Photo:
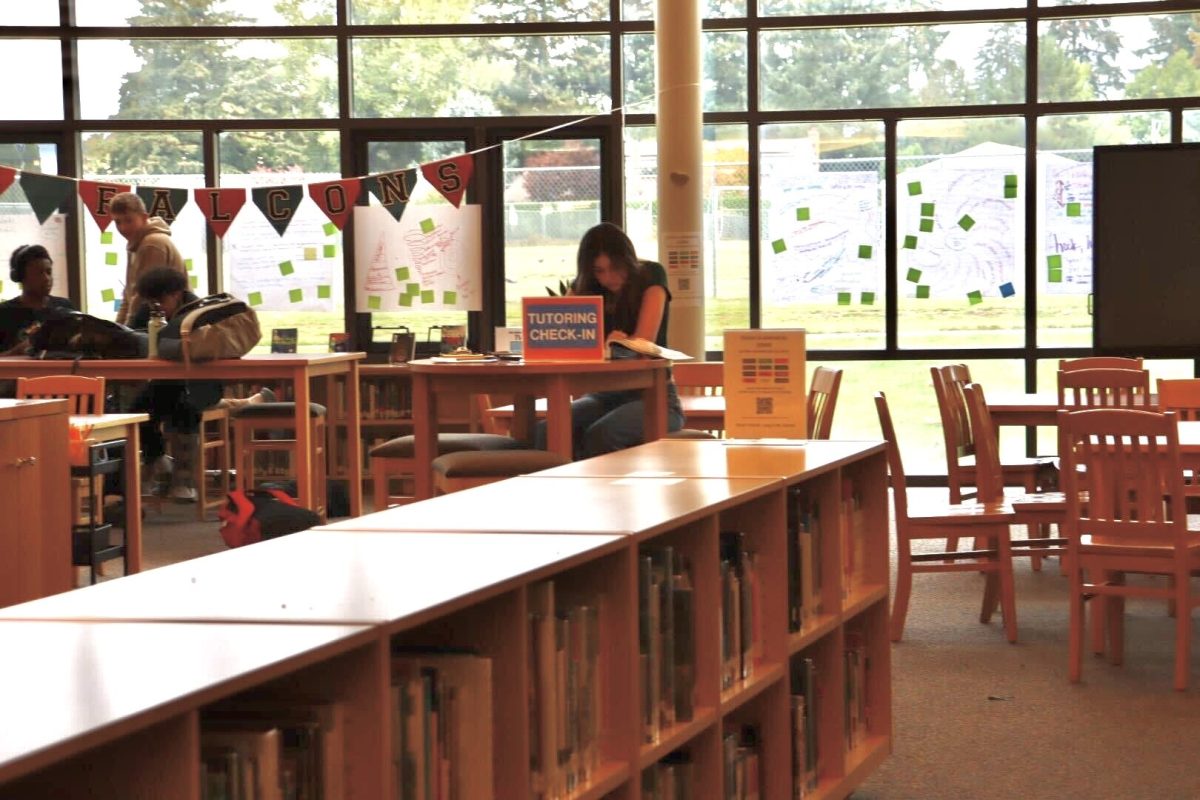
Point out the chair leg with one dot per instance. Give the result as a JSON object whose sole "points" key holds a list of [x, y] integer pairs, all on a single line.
{"points": [[1099, 612], [1077, 619], [900, 600], [379, 483], [991, 594], [1183, 632], [1114, 611], [1008, 594]]}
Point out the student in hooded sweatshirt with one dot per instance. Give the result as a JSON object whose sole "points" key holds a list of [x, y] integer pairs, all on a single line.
{"points": [[148, 242]]}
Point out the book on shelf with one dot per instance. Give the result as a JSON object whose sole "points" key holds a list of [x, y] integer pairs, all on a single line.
{"points": [[685, 643], [741, 609], [220, 773], [671, 778], [258, 747], [283, 340], [852, 536], [645, 347], [742, 763], [856, 664], [804, 560], [804, 700], [666, 640]]}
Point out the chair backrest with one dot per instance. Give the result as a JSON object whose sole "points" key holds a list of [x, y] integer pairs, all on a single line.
{"points": [[86, 395], [1122, 476], [1100, 362], [822, 400], [1105, 388], [1181, 395], [948, 384], [699, 377], [989, 477], [489, 421], [895, 465]]}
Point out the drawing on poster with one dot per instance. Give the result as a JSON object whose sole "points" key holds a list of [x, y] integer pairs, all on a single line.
{"points": [[1068, 237], [430, 259]]}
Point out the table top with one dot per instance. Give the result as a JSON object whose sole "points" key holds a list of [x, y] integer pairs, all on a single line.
{"points": [[267, 365], [325, 577], [429, 366], [52, 681], [20, 409], [618, 506], [99, 422]]}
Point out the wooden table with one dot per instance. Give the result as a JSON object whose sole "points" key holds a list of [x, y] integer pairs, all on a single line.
{"points": [[557, 381], [297, 368], [107, 428], [704, 412], [1030, 409]]}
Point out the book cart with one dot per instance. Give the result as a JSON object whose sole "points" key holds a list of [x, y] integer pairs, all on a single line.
{"points": [[335, 617]]}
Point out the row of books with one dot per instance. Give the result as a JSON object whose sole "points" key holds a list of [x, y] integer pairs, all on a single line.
{"points": [[564, 693], [804, 559], [742, 763], [273, 751], [666, 643], [385, 399], [741, 609], [853, 536], [672, 778], [855, 657], [804, 728]]}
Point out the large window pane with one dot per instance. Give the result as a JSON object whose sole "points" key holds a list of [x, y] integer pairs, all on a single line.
{"points": [[1064, 232], [1116, 57], [960, 233], [482, 76], [294, 280], [112, 13], [413, 12], [37, 92], [168, 160], [712, 9], [1191, 125], [882, 67], [208, 79], [822, 232], [32, 12], [724, 79], [19, 225]]}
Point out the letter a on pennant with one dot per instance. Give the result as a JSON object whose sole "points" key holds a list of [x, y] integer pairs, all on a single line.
{"points": [[98, 197], [220, 206], [336, 198], [451, 176]]}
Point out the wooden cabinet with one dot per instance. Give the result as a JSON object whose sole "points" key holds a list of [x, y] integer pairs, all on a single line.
{"points": [[356, 594], [35, 523]]}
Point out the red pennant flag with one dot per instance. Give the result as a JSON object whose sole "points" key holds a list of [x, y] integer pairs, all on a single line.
{"points": [[7, 176], [451, 176], [336, 198], [97, 195], [220, 206]]}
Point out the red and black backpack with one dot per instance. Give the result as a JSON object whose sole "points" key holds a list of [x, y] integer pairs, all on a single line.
{"points": [[251, 516]]}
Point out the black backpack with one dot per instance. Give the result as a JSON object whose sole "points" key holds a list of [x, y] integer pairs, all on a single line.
{"points": [[73, 334]]}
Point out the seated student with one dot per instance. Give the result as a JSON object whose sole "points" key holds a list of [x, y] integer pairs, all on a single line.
{"points": [[31, 266], [175, 406]]}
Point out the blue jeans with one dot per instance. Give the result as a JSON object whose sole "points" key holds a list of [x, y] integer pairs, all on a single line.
{"points": [[602, 422]]}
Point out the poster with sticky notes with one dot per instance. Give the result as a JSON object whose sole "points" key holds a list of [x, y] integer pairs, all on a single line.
{"points": [[431, 258]]}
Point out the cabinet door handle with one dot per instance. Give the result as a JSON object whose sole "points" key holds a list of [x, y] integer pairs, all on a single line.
{"points": [[25, 461]]}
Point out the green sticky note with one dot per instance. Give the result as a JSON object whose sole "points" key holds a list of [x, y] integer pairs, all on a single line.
{"points": [[868, 298], [254, 298], [401, 273], [286, 268], [330, 251], [975, 297], [449, 298], [910, 242], [914, 275], [427, 226], [406, 299], [329, 228], [1055, 276], [926, 209], [110, 259], [374, 302], [927, 225], [295, 295], [922, 292], [108, 295], [1010, 180], [1054, 261], [187, 264], [193, 281], [106, 237], [1074, 209], [864, 251], [914, 188], [778, 246], [1010, 192], [412, 289], [966, 223], [843, 298], [324, 291], [427, 296], [801, 214], [310, 254]]}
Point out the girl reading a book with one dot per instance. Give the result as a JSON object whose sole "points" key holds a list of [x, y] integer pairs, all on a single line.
{"points": [[636, 305]]}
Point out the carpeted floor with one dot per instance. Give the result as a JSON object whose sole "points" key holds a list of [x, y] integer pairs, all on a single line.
{"points": [[976, 718]]}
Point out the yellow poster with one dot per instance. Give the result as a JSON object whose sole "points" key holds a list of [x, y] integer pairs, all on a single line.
{"points": [[764, 384]]}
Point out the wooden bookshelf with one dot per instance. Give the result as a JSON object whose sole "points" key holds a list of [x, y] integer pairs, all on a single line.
{"points": [[354, 598]]}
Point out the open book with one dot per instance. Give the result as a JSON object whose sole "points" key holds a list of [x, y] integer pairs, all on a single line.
{"points": [[648, 348]]}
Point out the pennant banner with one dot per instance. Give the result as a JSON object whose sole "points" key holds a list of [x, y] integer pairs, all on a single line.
{"points": [[46, 193], [163, 202], [7, 176], [336, 198], [220, 206], [97, 196], [393, 189], [450, 177], [278, 204]]}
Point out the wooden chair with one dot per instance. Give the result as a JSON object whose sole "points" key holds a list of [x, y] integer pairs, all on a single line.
{"points": [[1100, 362], [85, 395], [212, 461], [1103, 388], [1181, 395], [1126, 513], [822, 400], [961, 443], [269, 428], [699, 379], [460, 470], [987, 521]]}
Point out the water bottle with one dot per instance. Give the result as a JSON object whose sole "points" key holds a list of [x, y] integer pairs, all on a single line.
{"points": [[157, 322]]}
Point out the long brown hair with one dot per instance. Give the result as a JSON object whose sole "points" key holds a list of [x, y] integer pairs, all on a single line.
{"points": [[608, 239]]}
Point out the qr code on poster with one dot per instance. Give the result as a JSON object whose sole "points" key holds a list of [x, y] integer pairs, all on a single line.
{"points": [[685, 284], [764, 405]]}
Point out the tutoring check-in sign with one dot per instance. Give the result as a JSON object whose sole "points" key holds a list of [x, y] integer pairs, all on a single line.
{"points": [[563, 328]]}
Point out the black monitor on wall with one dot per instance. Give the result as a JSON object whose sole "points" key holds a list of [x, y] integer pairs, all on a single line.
{"points": [[1146, 246]]}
